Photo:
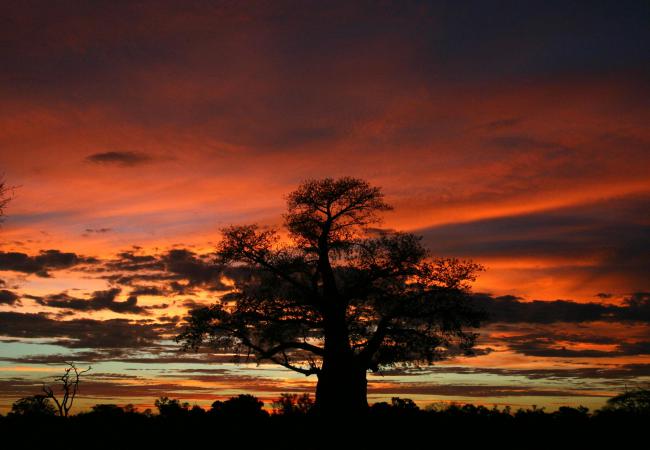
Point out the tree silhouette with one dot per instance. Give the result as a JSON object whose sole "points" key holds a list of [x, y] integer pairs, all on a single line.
{"points": [[33, 406], [244, 406], [635, 401], [335, 298], [173, 408], [4, 196], [293, 404], [69, 388]]}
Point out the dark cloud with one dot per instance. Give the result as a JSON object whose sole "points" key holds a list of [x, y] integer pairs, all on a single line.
{"points": [[585, 230], [147, 290], [191, 304], [8, 297], [130, 261], [84, 333], [566, 329], [547, 346], [94, 231], [635, 348], [98, 300], [177, 271], [203, 371], [624, 372], [198, 271], [98, 230], [170, 319], [510, 309], [471, 390], [111, 376], [519, 142], [80, 356], [157, 306], [42, 263], [615, 234], [123, 159]]}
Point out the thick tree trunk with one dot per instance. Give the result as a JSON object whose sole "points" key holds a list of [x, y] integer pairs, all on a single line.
{"points": [[342, 391], [342, 385]]}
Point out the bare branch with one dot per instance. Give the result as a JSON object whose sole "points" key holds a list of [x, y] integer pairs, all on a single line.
{"points": [[69, 387]]}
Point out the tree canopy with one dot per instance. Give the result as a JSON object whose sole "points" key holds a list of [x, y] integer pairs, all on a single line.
{"points": [[332, 295], [34, 405]]}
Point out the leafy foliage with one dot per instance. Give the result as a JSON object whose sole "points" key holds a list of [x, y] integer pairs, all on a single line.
{"points": [[293, 404], [631, 401], [168, 407], [244, 406], [35, 405]]}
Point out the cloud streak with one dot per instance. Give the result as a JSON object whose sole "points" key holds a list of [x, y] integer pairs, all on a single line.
{"points": [[122, 159], [43, 263], [509, 309], [98, 301], [8, 297], [84, 333]]}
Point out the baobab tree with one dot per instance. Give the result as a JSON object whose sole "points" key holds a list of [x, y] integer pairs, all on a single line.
{"points": [[335, 298]]}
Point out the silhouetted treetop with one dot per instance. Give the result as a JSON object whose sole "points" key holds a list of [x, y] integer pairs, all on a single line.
{"points": [[293, 404], [332, 211], [244, 406], [631, 401], [33, 406]]}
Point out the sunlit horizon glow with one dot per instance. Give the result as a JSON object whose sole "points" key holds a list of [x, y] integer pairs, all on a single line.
{"points": [[514, 135]]}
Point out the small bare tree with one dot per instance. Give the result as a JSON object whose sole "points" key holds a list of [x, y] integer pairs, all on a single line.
{"points": [[5, 196], [69, 388]]}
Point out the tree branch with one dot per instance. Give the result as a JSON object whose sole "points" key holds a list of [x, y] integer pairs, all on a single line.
{"points": [[259, 259], [292, 345], [374, 343], [285, 363]]}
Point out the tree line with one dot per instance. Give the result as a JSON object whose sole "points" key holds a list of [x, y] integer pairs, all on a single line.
{"points": [[629, 404]]}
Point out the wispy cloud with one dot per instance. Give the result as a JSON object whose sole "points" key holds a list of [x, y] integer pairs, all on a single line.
{"points": [[123, 159]]}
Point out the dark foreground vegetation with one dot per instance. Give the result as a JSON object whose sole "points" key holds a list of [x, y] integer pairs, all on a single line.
{"points": [[292, 417]]}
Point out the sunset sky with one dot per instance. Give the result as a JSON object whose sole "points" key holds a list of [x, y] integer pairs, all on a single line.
{"points": [[512, 133]]}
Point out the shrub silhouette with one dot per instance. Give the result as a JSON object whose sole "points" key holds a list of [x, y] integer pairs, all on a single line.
{"points": [[35, 405], [635, 401], [171, 408], [244, 406], [293, 404], [568, 413], [107, 410]]}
